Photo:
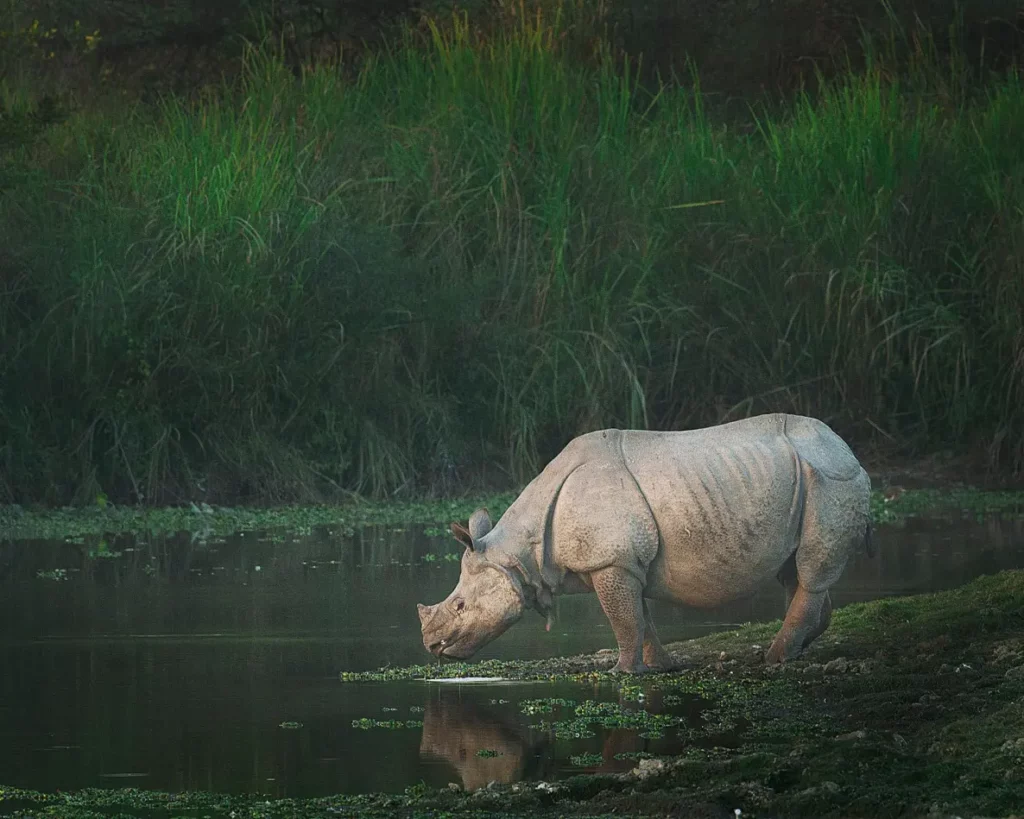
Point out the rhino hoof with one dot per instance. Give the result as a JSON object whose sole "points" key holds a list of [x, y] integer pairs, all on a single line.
{"points": [[780, 652], [639, 668]]}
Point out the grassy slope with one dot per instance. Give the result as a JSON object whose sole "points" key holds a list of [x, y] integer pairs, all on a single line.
{"points": [[925, 712]]}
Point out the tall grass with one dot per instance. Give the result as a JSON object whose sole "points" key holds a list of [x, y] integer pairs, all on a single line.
{"points": [[478, 248]]}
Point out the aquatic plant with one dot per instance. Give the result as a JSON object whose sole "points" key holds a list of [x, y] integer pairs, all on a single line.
{"points": [[74, 525], [586, 760], [545, 705], [366, 723]]}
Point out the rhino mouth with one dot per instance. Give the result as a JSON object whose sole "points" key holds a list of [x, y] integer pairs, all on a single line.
{"points": [[452, 648]]}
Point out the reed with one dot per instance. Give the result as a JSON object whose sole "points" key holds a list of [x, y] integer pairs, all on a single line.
{"points": [[482, 245]]}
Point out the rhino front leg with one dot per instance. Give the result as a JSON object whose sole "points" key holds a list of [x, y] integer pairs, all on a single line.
{"points": [[621, 598], [655, 656]]}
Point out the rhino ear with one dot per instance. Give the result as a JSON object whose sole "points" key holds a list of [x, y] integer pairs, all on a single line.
{"points": [[479, 524], [462, 535]]}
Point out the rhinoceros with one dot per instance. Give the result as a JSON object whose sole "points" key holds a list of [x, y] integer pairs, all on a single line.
{"points": [[698, 518]]}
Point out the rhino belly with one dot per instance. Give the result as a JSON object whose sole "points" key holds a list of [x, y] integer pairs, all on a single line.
{"points": [[703, 575], [728, 518]]}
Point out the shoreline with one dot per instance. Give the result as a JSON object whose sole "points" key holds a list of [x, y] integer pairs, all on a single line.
{"points": [[890, 503]]}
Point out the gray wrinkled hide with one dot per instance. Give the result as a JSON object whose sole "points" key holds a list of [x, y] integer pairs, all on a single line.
{"points": [[698, 518]]}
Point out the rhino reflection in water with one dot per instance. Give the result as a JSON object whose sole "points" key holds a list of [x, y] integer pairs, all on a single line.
{"points": [[454, 730], [698, 518]]}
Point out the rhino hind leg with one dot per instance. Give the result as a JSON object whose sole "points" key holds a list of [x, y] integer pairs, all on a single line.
{"points": [[656, 657], [807, 617], [835, 515], [621, 597], [824, 618], [787, 576], [808, 613]]}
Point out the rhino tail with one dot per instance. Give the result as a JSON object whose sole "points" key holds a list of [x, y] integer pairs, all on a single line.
{"points": [[869, 542]]}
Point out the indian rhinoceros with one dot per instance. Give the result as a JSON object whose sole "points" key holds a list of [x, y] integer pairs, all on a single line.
{"points": [[699, 517]]}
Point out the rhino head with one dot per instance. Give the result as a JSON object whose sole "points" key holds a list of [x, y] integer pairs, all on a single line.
{"points": [[487, 600]]}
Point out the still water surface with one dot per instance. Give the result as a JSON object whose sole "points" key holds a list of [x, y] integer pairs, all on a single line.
{"points": [[171, 663]]}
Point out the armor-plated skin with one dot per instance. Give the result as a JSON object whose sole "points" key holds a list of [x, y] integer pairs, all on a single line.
{"points": [[698, 517]]}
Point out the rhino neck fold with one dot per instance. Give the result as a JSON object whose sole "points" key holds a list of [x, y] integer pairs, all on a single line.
{"points": [[524, 535], [536, 593]]}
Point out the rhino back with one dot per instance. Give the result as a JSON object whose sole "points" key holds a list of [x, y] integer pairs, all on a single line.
{"points": [[726, 502]]}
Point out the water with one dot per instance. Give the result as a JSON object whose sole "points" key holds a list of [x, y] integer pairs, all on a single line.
{"points": [[172, 664]]}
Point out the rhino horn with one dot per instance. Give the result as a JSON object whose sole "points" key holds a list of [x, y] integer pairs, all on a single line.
{"points": [[425, 612]]}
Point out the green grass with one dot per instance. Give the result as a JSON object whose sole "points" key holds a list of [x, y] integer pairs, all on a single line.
{"points": [[479, 247]]}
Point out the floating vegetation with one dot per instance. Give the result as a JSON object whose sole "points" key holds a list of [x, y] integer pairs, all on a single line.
{"points": [[53, 574], [545, 706], [211, 523], [447, 557], [488, 753], [290, 725], [609, 715], [365, 724], [586, 760], [17, 523], [975, 503]]}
